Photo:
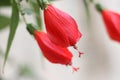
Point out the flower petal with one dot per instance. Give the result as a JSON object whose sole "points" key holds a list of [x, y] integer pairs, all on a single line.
{"points": [[52, 52], [61, 27], [112, 22]]}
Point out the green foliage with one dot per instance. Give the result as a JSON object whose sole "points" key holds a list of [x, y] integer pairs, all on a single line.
{"points": [[13, 26], [4, 2], [13, 22], [4, 22], [37, 11], [87, 10]]}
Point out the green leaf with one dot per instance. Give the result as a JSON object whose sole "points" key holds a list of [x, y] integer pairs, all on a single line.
{"points": [[87, 10], [4, 2], [4, 21], [37, 11], [13, 26]]}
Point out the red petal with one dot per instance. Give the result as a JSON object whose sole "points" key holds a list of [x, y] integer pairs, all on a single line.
{"points": [[52, 52], [112, 22], [61, 27]]}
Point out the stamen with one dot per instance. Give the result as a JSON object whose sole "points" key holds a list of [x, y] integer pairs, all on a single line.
{"points": [[75, 69], [80, 53], [76, 48]]}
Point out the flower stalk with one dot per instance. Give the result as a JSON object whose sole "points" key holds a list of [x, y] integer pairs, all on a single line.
{"points": [[30, 29], [99, 7], [42, 3], [22, 12]]}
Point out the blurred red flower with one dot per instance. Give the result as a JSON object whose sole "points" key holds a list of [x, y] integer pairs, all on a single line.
{"points": [[112, 22]]}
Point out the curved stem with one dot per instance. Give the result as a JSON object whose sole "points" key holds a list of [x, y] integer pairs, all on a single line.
{"points": [[22, 13], [42, 3], [39, 3], [24, 19], [87, 10]]}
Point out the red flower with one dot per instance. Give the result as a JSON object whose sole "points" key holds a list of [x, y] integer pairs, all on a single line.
{"points": [[112, 22], [61, 27], [52, 52]]}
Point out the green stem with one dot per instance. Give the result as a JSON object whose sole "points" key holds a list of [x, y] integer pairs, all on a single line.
{"points": [[99, 7], [30, 29], [24, 19], [39, 3], [87, 10], [42, 3], [22, 12]]}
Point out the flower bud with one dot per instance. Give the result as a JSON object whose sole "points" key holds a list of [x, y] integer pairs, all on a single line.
{"points": [[112, 23], [54, 53], [61, 27]]}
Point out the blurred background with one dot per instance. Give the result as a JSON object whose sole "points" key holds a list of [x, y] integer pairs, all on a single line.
{"points": [[101, 59]]}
